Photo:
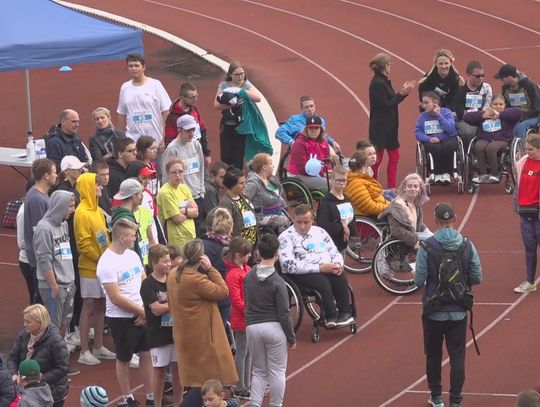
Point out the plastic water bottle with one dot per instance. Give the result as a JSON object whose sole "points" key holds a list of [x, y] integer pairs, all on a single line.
{"points": [[30, 149]]}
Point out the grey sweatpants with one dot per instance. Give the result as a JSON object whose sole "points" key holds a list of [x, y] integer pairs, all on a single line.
{"points": [[242, 359], [267, 346]]}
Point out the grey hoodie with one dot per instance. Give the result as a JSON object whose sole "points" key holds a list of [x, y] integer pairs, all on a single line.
{"points": [[51, 242], [36, 395]]}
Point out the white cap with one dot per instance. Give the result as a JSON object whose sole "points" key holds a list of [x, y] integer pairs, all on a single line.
{"points": [[128, 188], [70, 162], [186, 122]]}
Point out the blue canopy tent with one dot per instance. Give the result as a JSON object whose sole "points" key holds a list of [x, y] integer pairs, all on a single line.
{"points": [[42, 34]]}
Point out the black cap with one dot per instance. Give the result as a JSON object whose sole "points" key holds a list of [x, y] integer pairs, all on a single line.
{"points": [[314, 121], [506, 70], [444, 211]]}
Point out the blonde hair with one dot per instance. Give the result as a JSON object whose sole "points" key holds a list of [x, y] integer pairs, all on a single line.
{"points": [[101, 110], [222, 222], [443, 53], [533, 139], [172, 162], [379, 62], [191, 253], [422, 197], [212, 385], [259, 161], [39, 314], [338, 169]]}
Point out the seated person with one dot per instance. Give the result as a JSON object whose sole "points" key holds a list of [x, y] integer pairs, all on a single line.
{"points": [[404, 215], [310, 258], [264, 191], [287, 132], [310, 146], [519, 91], [335, 213], [366, 145], [495, 132], [436, 130], [364, 191]]}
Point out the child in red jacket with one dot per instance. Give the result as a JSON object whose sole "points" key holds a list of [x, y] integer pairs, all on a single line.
{"points": [[237, 268]]}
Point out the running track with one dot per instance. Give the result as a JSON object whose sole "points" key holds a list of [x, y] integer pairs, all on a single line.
{"points": [[322, 48]]}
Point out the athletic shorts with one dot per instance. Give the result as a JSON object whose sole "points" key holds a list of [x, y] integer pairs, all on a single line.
{"points": [[60, 307], [90, 288], [163, 355], [127, 337]]}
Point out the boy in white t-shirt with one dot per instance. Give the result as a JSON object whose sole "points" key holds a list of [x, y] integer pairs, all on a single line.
{"points": [[120, 272]]}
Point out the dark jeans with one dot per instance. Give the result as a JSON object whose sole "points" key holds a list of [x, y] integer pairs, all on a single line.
{"points": [[443, 155], [26, 271], [200, 222], [232, 146], [454, 333], [37, 297], [530, 235], [192, 398], [330, 287]]}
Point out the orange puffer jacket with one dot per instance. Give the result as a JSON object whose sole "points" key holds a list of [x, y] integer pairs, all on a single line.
{"points": [[365, 194]]}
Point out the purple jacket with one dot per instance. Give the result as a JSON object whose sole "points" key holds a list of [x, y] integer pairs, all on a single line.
{"points": [[508, 119], [445, 123]]}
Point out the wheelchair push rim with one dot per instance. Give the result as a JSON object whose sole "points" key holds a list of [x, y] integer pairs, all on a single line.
{"points": [[360, 249]]}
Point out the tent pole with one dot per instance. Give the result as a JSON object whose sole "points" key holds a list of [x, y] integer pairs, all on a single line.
{"points": [[28, 104]]}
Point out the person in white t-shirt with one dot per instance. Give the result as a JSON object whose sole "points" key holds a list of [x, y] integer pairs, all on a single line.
{"points": [[143, 104], [120, 272]]}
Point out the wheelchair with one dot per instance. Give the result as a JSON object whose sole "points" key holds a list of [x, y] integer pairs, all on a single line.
{"points": [[424, 166], [506, 158], [361, 249], [310, 300]]}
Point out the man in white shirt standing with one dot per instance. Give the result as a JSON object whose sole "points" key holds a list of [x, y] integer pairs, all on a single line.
{"points": [[120, 272]]}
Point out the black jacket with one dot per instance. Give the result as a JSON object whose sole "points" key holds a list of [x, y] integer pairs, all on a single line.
{"points": [[215, 251], [59, 144], [51, 353], [446, 88], [329, 219], [117, 174], [7, 387], [383, 116], [102, 141]]}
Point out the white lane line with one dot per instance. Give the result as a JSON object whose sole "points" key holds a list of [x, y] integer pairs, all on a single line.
{"points": [[502, 304], [471, 393], [333, 27], [279, 44], [113, 402], [466, 43], [512, 48], [3, 263], [504, 20], [478, 336], [341, 342], [7, 235]]}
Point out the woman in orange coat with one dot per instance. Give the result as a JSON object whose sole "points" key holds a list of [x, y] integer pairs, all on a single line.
{"points": [[364, 191]]}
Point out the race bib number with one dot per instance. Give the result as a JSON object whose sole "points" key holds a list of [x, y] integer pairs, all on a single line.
{"points": [[473, 101], [126, 276], [316, 247], [154, 186], [197, 133], [346, 212], [65, 251], [183, 204], [249, 219], [141, 117], [517, 99], [490, 126], [144, 246], [101, 238], [166, 320], [432, 127], [192, 166]]}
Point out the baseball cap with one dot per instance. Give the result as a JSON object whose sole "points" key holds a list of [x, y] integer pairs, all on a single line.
{"points": [[94, 396], [444, 211], [186, 122], [146, 172], [128, 188], [506, 70], [314, 121], [29, 369], [70, 162]]}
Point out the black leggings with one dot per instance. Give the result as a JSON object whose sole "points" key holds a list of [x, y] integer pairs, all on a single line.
{"points": [[443, 155], [232, 146], [26, 271]]}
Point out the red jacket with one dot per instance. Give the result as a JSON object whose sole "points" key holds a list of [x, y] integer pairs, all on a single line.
{"points": [[235, 281], [170, 125], [301, 151]]}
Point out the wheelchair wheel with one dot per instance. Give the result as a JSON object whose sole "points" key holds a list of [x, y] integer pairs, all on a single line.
{"points": [[360, 249], [296, 193], [296, 308], [462, 167], [394, 267], [283, 163], [421, 167], [517, 151]]}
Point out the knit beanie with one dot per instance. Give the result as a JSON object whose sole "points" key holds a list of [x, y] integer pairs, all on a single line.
{"points": [[94, 396]]}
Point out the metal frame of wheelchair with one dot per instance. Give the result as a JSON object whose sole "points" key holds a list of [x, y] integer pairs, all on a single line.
{"points": [[310, 300], [460, 166], [507, 160]]}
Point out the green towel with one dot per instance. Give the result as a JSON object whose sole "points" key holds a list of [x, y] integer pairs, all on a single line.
{"points": [[253, 127]]}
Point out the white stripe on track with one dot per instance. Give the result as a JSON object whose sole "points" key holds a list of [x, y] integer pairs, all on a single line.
{"points": [[470, 393], [3, 263]]}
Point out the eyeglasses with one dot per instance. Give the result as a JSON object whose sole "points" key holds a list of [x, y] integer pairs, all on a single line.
{"points": [[178, 172], [479, 75]]}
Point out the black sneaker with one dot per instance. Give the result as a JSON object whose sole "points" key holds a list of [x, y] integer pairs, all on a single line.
{"points": [[167, 388], [130, 402], [345, 319], [73, 371], [242, 394], [150, 403]]}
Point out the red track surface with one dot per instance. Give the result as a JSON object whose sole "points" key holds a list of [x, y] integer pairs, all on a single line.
{"points": [[322, 48]]}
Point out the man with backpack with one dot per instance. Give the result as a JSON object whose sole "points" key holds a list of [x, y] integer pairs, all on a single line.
{"points": [[447, 264]]}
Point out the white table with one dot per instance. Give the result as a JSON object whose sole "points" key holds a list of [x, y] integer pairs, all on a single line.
{"points": [[12, 158]]}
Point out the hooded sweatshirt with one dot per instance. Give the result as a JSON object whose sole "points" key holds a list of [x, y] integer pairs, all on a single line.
{"points": [[90, 227], [524, 95], [51, 242], [36, 394], [450, 239], [267, 300]]}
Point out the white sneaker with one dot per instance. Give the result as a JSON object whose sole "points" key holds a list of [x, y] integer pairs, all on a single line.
{"points": [[134, 362], [446, 179], [494, 179], [104, 353], [525, 287], [73, 338], [438, 178], [91, 334], [86, 358], [71, 348]]}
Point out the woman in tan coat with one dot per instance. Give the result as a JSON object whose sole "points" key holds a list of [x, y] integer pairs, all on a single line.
{"points": [[202, 347]]}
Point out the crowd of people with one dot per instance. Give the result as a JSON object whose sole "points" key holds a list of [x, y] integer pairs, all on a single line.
{"points": [[180, 258]]}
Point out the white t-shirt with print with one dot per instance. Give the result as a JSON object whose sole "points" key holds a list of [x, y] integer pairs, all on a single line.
{"points": [[125, 269], [143, 106]]}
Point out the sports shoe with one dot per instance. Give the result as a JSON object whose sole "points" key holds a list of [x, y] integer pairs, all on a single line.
{"points": [[91, 334], [525, 287], [446, 178], [436, 401], [455, 404], [73, 338], [438, 179], [134, 362], [150, 403], [494, 179], [345, 319], [130, 402], [73, 371], [167, 388], [86, 358], [431, 178], [71, 348], [104, 353], [242, 394], [330, 323]]}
